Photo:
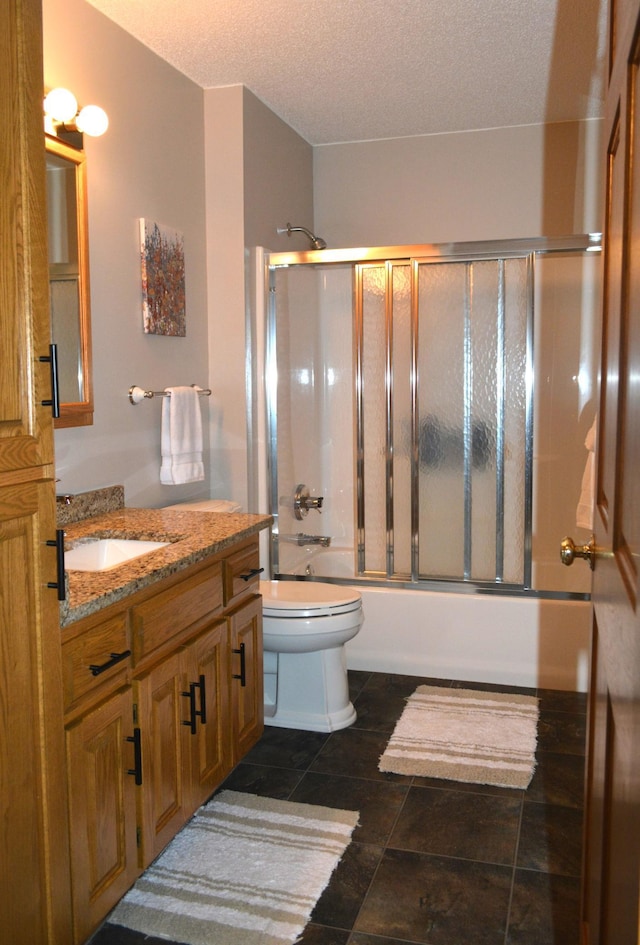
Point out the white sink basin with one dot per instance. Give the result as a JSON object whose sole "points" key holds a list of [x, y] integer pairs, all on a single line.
{"points": [[105, 553]]}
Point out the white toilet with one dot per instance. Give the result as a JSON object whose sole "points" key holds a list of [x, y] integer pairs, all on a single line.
{"points": [[305, 627]]}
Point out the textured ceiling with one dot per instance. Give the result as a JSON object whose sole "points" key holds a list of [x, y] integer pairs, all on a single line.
{"points": [[353, 70]]}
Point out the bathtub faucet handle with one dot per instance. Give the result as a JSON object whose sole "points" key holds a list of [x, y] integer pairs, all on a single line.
{"points": [[302, 502]]}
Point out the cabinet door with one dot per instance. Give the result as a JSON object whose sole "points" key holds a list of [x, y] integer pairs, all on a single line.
{"points": [[162, 712], [247, 676], [34, 851], [26, 432], [210, 736], [102, 805]]}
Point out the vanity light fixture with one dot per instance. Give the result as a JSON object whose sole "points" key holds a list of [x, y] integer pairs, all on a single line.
{"points": [[61, 113]]}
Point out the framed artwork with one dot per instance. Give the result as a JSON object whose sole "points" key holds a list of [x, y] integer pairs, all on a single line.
{"points": [[163, 292]]}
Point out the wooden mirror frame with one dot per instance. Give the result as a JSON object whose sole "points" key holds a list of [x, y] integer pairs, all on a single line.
{"points": [[77, 413]]}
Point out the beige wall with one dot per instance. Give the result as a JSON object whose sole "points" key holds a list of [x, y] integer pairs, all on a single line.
{"points": [[150, 163], [220, 167], [258, 170], [278, 178], [537, 180]]}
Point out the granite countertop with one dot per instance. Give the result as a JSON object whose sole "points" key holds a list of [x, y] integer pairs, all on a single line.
{"points": [[193, 536]]}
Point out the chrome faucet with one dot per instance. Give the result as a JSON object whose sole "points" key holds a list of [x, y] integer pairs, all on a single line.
{"points": [[302, 502]]}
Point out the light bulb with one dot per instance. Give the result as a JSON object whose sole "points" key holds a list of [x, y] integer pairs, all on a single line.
{"points": [[61, 104], [92, 121]]}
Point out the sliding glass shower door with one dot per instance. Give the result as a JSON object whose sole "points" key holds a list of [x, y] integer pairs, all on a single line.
{"points": [[402, 391]]}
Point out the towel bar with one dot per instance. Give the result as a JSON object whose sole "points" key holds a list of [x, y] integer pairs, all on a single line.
{"points": [[138, 394]]}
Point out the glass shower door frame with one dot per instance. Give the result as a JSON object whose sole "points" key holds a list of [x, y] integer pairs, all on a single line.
{"points": [[414, 256]]}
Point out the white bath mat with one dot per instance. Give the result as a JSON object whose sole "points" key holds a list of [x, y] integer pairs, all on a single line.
{"points": [[246, 870], [465, 735]]}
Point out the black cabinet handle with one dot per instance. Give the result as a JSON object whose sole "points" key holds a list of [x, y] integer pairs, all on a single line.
{"points": [[54, 402], [250, 574], [58, 544], [202, 686], [103, 667], [191, 696], [242, 676], [137, 756]]}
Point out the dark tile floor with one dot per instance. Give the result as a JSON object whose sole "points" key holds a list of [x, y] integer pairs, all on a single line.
{"points": [[431, 862]]}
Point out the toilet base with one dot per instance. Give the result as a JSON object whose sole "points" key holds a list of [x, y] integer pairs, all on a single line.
{"points": [[308, 691]]}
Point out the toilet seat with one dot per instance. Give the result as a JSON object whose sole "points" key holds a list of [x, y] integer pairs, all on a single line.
{"points": [[295, 599]]}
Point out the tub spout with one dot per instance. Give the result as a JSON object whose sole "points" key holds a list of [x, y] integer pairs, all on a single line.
{"points": [[302, 539]]}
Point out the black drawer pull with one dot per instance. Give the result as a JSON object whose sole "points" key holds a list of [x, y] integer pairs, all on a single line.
{"points": [[54, 401], [58, 544], [242, 675], [191, 696], [115, 658], [137, 756], [250, 574], [202, 714]]}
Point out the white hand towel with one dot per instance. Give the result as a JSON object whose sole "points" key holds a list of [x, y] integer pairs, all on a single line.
{"points": [[181, 437], [586, 503]]}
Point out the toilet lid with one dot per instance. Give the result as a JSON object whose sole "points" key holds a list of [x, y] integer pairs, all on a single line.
{"points": [[307, 598]]}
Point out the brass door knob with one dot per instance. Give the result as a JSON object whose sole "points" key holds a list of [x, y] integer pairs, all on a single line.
{"points": [[570, 551]]}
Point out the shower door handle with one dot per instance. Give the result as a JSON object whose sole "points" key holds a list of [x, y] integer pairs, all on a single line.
{"points": [[570, 551]]}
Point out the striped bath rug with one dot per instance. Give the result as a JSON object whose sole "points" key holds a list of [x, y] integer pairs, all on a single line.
{"points": [[246, 870], [465, 735]]}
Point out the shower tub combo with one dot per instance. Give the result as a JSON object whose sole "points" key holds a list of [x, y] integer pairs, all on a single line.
{"points": [[435, 401]]}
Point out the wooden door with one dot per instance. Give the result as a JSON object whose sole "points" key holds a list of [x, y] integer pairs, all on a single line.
{"points": [[26, 438], [162, 712], [210, 740], [35, 907], [612, 816], [247, 680], [102, 802]]}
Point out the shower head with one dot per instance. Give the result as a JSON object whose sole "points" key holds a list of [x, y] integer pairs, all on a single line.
{"points": [[316, 241]]}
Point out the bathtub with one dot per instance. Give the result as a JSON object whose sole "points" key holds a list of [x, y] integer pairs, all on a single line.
{"points": [[492, 638]]}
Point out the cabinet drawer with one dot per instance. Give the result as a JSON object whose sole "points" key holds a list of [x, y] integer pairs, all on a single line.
{"points": [[166, 615], [99, 655], [241, 573]]}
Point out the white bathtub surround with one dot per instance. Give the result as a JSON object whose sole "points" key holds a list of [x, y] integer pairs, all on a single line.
{"points": [[474, 637], [516, 641], [465, 735]]}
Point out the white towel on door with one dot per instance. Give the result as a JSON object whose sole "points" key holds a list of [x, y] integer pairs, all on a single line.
{"points": [[181, 437], [586, 502]]}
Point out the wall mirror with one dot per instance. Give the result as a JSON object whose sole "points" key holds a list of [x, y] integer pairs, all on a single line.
{"points": [[69, 280]]}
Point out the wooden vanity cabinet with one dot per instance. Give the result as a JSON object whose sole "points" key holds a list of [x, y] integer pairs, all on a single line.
{"points": [[163, 726], [181, 708], [102, 806]]}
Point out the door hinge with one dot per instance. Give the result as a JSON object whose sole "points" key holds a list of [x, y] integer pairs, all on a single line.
{"points": [[138, 837]]}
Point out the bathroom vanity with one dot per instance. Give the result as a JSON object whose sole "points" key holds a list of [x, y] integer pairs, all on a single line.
{"points": [[163, 688]]}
